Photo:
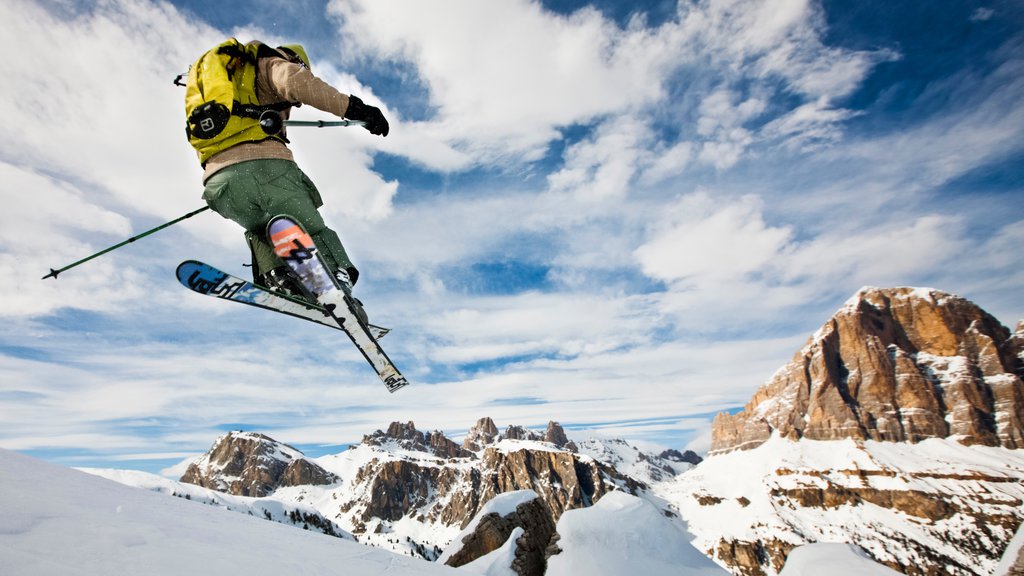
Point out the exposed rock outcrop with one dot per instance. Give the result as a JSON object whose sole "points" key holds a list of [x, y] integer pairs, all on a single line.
{"points": [[555, 434], [521, 433], [563, 480], [899, 364], [248, 464], [453, 495], [688, 457], [483, 433], [493, 530]]}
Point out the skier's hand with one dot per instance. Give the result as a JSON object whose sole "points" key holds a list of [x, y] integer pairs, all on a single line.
{"points": [[375, 121]]}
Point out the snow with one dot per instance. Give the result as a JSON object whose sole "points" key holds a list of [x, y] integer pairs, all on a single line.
{"points": [[623, 534], [274, 509], [841, 560], [508, 446], [59, 521], [733, 496]]}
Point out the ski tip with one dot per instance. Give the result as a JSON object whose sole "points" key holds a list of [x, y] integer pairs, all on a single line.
{"points": [[187, 268], [394, 383], [53, 274]]}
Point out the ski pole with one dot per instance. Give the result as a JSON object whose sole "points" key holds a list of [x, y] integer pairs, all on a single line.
{"points": [[272, 122], [53, 273]]}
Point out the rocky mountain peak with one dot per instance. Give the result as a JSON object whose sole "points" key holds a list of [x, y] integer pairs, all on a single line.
{"points": [[481, 434], [408, 431], [1016, 345], [521, 433], [896, 364], [250, 464], [555, 434], [485, 433], [407, 437]]}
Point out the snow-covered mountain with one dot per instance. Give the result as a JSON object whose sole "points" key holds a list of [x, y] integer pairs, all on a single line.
{"points": [[58, 521], [898, 427], [893, 439], [413, 492], [249, 464], [631, 461], [936, 507]]}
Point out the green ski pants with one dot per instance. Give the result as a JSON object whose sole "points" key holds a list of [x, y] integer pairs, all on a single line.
{"points": [[254, 191]]}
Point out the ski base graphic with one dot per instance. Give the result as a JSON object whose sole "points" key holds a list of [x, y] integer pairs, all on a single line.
{"points": [[293, 245]]}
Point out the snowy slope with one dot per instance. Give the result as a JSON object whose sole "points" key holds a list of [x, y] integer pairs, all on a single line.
{"points": [[623, 534], [841, 559], [270, 508], [905, 504], [58, 521]]}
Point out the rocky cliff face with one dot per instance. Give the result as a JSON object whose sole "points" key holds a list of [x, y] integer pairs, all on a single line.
{"points": [[247, 464], [493, 529], [897, 365], [451, 491], [895, 428]]}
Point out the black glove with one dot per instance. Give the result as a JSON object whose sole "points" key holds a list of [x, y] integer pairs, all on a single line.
{"points": [[375, 121]]}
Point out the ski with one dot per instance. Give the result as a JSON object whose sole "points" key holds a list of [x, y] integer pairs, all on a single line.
{"points": [[293, 245], [207, 280]]}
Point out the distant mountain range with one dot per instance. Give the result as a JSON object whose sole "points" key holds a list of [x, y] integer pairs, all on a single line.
{"points": [[897, 429], [414, 491]]}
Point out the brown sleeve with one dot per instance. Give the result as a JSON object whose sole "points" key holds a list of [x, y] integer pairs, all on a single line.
{"points": [[295, 83]]}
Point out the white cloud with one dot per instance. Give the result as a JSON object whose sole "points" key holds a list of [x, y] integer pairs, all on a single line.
{"points": [[700, 241], [668, 163], [95, 99], [807, 125], [982, 14], [602, 167], [884, 255], [503, 76]]}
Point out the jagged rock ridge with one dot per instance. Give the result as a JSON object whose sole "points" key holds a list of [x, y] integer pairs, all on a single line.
{"points": [[899, 364], [402, 476], [487, 466]]}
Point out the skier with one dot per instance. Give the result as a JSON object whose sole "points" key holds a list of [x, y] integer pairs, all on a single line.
{"points": [[250, 176]]}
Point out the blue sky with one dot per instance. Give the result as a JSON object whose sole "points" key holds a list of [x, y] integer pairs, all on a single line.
{"points": [[623, 216]]}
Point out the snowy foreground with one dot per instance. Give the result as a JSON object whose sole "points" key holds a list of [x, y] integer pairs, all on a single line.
{"points": [[59, 521]]}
